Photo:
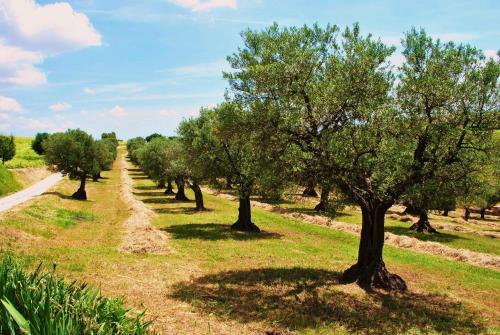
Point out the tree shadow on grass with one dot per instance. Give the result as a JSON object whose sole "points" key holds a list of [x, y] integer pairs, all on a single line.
{"points": [[313, 212], [308, 299], [165, 201], [214, 232], [134, 170], [146, 188], [150, 194], [440, 237], [60, 195], [180, 210]]}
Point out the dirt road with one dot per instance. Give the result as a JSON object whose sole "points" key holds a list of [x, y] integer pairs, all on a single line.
{"points": [[30, 192]]}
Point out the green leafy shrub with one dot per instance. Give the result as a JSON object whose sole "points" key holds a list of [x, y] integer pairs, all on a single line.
{"points": [[41, 303]]}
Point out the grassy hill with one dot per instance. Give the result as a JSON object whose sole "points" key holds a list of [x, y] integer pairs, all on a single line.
{"points": [[25, 156], [8, 183]]}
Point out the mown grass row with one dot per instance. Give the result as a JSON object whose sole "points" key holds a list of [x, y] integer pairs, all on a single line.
{"points": [[41, 303]]}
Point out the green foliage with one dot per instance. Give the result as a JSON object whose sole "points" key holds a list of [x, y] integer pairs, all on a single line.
{"points": [[72, 152], [7, 148], [41, 303], [132, 146], [36, 145], [155, 159], [8, 183], [153, 136]]}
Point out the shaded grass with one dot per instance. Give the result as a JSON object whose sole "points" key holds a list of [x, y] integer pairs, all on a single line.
{"points": [[25, 156]]}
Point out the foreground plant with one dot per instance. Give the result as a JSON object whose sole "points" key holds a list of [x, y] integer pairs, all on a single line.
{"points": [[41, 303]]}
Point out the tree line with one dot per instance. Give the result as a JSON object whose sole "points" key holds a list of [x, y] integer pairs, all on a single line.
{"points": [[77, 155], [324, 107]]}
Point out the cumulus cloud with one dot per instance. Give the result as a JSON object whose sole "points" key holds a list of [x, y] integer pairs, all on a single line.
{"points": [[205, 5], [60, 107], [31, 32], [118, 111], [9, 105]]}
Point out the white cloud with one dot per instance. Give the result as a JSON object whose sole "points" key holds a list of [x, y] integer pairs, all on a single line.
{"points": [[213, 69], [9, 105], [51, 28], [396, 59], [29, 33], [60, 107], [205, 5], [118, 111], [178, 112], [17, 66], [490, 53], [391, 40]]}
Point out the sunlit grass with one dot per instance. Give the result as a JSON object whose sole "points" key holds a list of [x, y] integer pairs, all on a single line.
{"points": [[25, 156]]}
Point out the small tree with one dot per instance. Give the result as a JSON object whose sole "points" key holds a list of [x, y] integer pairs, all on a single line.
{"points": [[7, 148], [103, 159], [73, 153], [153, 136], [37, 142], [154, 160]]}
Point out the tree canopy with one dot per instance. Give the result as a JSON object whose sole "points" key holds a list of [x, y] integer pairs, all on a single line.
{"points": [[7, 148]]}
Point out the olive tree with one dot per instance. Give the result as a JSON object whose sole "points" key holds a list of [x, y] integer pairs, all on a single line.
{"points": [[132, 146], [36, 144], [154, 159], [7, 148], [74, 154], [336, 99]]}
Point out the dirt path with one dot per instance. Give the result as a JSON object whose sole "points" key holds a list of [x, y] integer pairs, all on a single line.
{"points": [[433, 248], [30, 192], [141, 236]]}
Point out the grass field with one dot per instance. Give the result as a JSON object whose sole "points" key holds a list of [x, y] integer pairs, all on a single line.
{"points": [[454, 239], [223, 282], [25, 156], [8, 182]]}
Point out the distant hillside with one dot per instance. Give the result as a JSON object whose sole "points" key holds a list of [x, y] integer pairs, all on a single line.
{"points": [[25, 156]]}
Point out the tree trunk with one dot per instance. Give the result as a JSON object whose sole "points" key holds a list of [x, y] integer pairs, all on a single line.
{"points": [[161, 184], [198, 196], [323, 205], [80, 194], [169, 189], [445, 212], [229, 183], [370, 270], [95, 177], [411, 210], [244, 222], [483, 213], [309, 191], [423, 224], [180, 196], [466, 214]]}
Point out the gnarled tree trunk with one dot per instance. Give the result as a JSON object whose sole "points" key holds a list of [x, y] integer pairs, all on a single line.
{"points": [[423, 224], [161, 183], [445, 212], [181, 196], [198, 196], [244, 222], [170, 189], [370, 270], [95, 177], [229, 183], [309, 191], [323, 205], [80, 194]]}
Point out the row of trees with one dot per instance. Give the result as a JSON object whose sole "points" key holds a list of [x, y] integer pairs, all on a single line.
{"points": [[317, 106], [76, 154]]}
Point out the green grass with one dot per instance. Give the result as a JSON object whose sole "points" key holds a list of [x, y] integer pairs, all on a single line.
{"points": [[8, 183], [287, 276], [25, 156], [223, 282], [454, 239], [41, 303]]}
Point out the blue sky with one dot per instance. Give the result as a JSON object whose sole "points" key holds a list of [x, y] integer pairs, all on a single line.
{"points": [[139, 67]]}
